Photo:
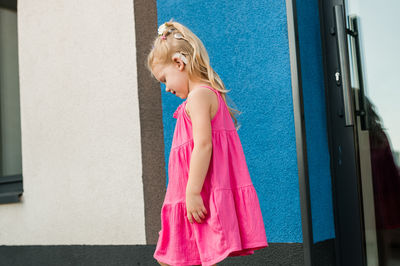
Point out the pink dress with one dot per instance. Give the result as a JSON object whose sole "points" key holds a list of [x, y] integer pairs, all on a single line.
{"points": [[234, 224]]}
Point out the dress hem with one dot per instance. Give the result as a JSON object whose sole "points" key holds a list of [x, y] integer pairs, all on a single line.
{"points": [[250, 247]]}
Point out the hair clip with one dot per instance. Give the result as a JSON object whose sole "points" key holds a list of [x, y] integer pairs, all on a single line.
{"points": [[178, 35], [181, 56]]}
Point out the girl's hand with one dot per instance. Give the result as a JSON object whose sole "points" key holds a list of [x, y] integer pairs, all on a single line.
{"points": [[195, 207]]}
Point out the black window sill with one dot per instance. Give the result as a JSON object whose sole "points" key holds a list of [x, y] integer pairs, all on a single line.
{"points": [[10, 188]]}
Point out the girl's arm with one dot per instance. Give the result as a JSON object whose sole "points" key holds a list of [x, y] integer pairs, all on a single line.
{"points": [[200, 109]]}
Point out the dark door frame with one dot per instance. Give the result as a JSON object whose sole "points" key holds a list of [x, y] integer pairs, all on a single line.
{"points": [[346, 187]]}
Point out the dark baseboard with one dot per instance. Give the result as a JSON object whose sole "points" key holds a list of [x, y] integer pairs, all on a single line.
{"points": [[324, 253], [274, 254]]}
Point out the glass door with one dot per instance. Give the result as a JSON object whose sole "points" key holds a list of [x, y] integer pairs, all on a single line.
{"points": [[373, 42]]}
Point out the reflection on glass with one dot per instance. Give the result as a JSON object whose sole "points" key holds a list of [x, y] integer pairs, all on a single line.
{"points": [[386, 186], [379, 147]]}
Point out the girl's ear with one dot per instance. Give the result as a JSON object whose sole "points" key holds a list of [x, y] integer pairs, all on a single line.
{"points": [[179, 63]]}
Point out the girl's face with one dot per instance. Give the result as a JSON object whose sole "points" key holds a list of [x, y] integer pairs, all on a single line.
{"points": [[174, 76]]}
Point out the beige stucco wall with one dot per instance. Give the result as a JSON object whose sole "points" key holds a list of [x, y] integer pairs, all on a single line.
{"points": [[81, 152]]}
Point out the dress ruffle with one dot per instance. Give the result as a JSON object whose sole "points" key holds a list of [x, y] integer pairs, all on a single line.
{"points": [[227, 229]]}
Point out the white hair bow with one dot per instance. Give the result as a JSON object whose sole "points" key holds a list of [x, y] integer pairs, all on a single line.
{"points": [[161, 29]]}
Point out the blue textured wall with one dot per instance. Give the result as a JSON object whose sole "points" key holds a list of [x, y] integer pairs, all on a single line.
{"points": [[315, 119], [247, 42]]}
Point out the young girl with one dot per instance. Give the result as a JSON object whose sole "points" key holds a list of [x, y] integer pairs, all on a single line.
{"points": [[211, 209]]}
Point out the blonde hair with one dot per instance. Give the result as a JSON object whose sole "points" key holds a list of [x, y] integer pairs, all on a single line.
{"points": [[165, 45]]}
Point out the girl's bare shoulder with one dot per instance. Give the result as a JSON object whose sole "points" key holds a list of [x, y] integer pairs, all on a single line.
{"points": [[202, 98]]}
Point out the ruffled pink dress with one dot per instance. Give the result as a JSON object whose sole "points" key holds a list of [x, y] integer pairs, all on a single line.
{"points": [[234, 224]]}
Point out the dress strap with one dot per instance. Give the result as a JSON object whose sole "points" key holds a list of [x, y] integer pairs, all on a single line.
{"points": [[216, 91]]}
